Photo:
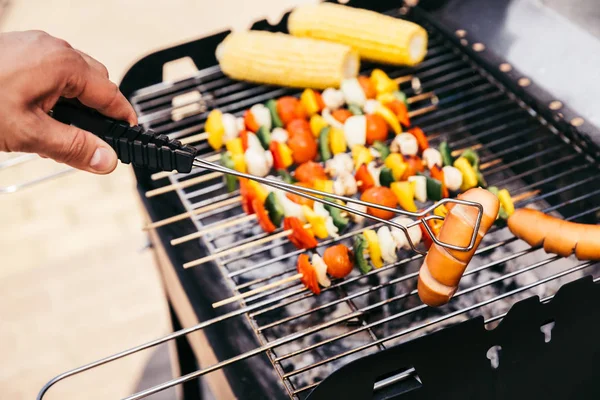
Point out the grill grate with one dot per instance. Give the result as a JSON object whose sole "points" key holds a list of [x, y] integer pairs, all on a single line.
{"points": [[307, 336], [365, 313]]}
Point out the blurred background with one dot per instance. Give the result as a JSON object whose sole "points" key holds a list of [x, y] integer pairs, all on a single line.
{"points": [[76, 282]]}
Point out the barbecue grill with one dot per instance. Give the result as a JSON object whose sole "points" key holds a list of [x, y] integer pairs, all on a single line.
{"points": [[369, 335]]}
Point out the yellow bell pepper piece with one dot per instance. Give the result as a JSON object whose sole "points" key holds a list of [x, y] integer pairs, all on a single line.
{"points": [[405, 194], [323, 185], [385, 98], [216, 130], [337, 141], [317, 123], [383, 83], [468, 173], [396, 163], [309, 101], [317, 223], [389, 117], [286, 154], [506, 201], [374, 248], [234, 146], [261, 192], [361, 155], [239, 162], [440, 211]]}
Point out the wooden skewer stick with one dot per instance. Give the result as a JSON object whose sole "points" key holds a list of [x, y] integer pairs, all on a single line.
{"points": [[190, 214], [403, 79], [419, 97], [183, 185], [212, 228], [257, 290], [241, 248], [459, 151], [164, 174], [526, 195], [194, 138], [490, 164]]}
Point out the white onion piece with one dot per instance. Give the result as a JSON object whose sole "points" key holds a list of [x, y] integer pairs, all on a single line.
{"points": [[321, 270], [387, 245]]}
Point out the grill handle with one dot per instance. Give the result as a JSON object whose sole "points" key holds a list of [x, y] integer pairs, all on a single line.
{"points": [[133, 144]]}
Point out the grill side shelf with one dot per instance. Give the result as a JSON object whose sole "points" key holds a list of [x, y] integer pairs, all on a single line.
{"points": [[530, 363]]}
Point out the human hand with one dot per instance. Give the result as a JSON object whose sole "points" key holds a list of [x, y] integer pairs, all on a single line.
{"points": [[35, 70]]}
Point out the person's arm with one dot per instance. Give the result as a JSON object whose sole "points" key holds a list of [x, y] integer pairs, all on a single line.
{"points": [[35, 70]]}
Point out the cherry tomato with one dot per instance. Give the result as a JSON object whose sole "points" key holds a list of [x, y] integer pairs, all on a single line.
{"points": [[309, 275], [250, 122], [290, 108], [363, 178], [303, 146], [367, 87], [298, 126], [263, 216], [382, 196], [300, 237], [296, 198], [377, 129], [309, 171], [415, 164], [338, 261], [341, 114]]}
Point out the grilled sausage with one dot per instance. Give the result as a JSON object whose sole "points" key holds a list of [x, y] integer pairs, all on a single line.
{"points": [[556, 235], [442, 268]]}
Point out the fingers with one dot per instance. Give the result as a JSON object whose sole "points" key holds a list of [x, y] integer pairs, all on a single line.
{"points": [[75, 147], [88, 81]]}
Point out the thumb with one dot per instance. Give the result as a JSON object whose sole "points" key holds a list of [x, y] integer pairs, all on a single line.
{"points": [[75, 147]]}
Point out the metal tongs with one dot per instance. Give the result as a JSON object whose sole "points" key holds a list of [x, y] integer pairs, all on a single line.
{"points": [[147, 149]]}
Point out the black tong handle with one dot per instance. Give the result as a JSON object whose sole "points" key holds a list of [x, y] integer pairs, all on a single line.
{"points": [[133, 144]]}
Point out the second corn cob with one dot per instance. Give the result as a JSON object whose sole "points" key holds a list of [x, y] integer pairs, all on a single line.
{"points": [[375, 36], [280, 59]]}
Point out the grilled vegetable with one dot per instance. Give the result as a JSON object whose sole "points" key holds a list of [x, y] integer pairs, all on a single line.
{"points": [[404, 195], [321, 270], [399, 236], [309, 171], [353, 92], [468, 172], [396, 163], [244, 138], [274, 209], [341, 115], [279, 135], [374, 247], [215, 129], [339, 220], [285, 176], [405, 144], [435, 189], [367, 86], [312, 104], [263, 216], [480, 179], [262, 116], [320, 210], [453, 178], [234, 146], [438, 173], [289, 109], [272, 106], [247, 195], [354, 109], [250, 122], [324, 144], [337, 141], [303, 146], [227, 162], [432, 157], [333, 98], [382, 149], [413, 165], [317, 222], [284, 60], [359, 246], [317, 123], [377, 129], [256, 162], [386, 177], [264, 136], [239, 162], [400, 110], [446, 154], [382, 82], [401, 96], [506, 201], [419, 183], [338, 261], [345, 185], [387, 245], [323, 185], [420, 136], [282, 155], [309, 275], [259, 190], [360, 155], [300, 237], [340, 163], [382, 196], [364, 177], [301, 200], [472, 157], [389, 117]]}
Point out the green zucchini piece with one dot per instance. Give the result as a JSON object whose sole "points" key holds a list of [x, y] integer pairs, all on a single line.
{"points": [[359, 246], [382, 149], [354, 109], [285, 175], [401, 96], [274, 209], [502, 215], [230, 180], [434, 189], [447, 158], [480, 179], [386, 177], [272, 106], [472, 157], [339, 220], [324, 150], [264, 136]]}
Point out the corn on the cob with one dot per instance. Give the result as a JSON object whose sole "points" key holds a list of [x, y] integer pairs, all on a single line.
{"points": [[375, 36], [280, 59]]}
